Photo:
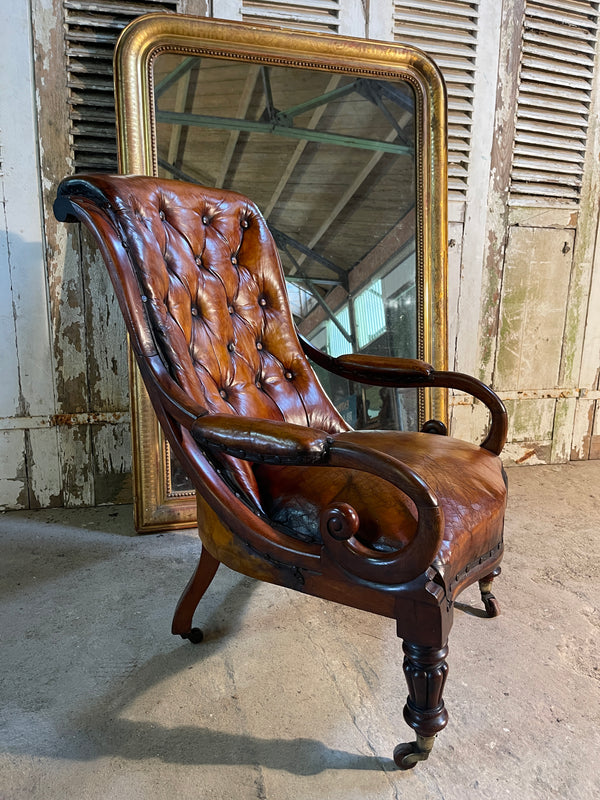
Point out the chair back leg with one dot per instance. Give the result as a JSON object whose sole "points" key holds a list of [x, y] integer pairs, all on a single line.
{"points": [[191, 596]]}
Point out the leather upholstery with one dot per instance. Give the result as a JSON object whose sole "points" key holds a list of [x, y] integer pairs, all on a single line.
{"points": [[216, 298]]}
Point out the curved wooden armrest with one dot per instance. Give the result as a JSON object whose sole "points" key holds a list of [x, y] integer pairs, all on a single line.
{"points": [[260, 440], [403, 373], [374, 370]]}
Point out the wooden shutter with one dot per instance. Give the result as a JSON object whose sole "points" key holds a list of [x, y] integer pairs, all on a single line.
{"points": [[557, 63], [447, 31], [92, 29], [317, 15]]}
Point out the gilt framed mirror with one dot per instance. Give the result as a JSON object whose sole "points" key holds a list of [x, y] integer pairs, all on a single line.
{"points": [[342, 144]]}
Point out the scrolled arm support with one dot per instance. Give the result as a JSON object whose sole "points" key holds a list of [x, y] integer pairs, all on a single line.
{"points": [[339, 523], [276, 442]]}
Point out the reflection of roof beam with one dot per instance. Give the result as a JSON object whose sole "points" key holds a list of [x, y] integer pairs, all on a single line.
{"points": [[300, 147], [318, 281], [181, 97], [184, 176], [371, 90], [241, 112], [317, 295], [176, 74], [284, 241], [321, 100], [250, 126], [350, 192]]}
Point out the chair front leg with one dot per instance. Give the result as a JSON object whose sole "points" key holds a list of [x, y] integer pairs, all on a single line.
{"points": [[425, 669]]}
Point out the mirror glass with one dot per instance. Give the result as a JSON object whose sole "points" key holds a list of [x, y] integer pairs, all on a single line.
{"points": [[329, 159]]}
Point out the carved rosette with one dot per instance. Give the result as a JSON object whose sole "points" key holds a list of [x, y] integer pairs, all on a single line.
{"points": [[339, 521], [425, 669]]}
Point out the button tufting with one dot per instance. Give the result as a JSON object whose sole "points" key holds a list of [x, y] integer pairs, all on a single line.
{"points": [[231, 347], [289, 376], [262, 302], [198, 261], [233, 260], [244, 223], [205, 219], [194, 311], [223, 393], [258, 384], [161, 214], [230, 309], [259, 346]]}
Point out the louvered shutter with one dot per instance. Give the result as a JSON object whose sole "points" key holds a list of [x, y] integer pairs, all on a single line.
{"points": [[557, 63], [447, 31], [318, 15], [92, 29]]}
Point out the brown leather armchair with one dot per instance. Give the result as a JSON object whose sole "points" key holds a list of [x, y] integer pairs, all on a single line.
{"points": [[394, 523]]}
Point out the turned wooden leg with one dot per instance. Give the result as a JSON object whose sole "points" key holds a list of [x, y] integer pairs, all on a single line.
{"points": [[191, 596], [425, 669], [492, 607]]}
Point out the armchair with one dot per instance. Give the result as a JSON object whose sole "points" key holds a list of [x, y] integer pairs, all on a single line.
{"points": [[395, 523]]}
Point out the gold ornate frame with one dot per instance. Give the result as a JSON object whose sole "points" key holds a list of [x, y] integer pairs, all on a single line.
{"points": [[156, 506]]}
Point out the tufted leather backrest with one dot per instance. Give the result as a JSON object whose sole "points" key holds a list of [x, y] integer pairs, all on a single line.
{"points": [[214, 290]]}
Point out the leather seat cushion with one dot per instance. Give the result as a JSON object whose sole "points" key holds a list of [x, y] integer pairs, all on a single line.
{"points": [[467, 480]]}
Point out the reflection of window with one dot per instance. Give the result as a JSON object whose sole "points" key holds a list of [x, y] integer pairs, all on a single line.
{"points": [[301, 301], [337, 343], [369, 313]]}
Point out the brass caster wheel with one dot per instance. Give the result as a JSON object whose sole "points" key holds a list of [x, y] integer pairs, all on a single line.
{"points": [[195, 636], [408, 754], [492, 607]]}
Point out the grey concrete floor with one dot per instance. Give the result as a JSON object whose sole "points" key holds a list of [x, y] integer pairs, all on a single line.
{"points": [[290, 696]]}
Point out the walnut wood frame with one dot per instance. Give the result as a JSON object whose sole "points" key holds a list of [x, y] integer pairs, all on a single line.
{"points": [[156, 507]]}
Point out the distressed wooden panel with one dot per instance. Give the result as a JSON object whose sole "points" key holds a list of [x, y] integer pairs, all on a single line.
{"points": [[44, 475], [198, 8], [27, 377], [468, 421], [63, 265], [466, 357], [536, 281], [540, 217], [13, 471], [9, 385], [595, 438], [589, 377], [496, 222], [112, 463], [527, 453], [530, 420], [75, 445], [455, 252], [106, 341], [562, 432], [582, 429]]}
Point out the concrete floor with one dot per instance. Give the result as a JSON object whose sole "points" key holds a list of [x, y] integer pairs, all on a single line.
{"points": [[289, 696]]}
